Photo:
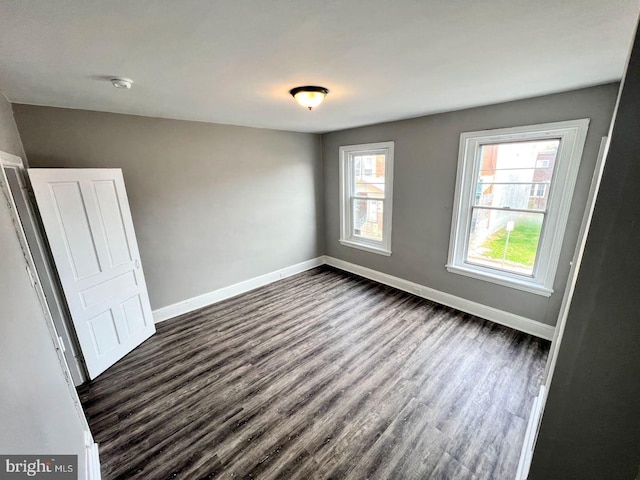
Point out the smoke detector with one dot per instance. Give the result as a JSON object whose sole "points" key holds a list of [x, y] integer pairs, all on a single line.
{"points": [[122, 83]]}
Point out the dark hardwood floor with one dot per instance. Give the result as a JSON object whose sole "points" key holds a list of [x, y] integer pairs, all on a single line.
{"points": [[324, 375]]}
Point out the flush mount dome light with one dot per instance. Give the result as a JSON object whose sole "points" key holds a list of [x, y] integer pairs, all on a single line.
{"points": [[122, 83], [309, 96]]}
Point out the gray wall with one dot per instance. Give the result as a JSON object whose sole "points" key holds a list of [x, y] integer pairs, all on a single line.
{"points": [[9, 137], [212, 204], [425, 162], [591, 424], [37, 414]]}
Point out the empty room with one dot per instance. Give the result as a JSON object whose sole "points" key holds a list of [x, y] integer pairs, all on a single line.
{"points": [[301, 240]]}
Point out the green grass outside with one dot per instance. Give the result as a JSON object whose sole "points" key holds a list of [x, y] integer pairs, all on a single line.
{"points": [[523, 242]]}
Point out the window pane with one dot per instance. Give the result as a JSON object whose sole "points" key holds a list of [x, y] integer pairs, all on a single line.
{"points": [[369, 175], [367, 215], [516, 175], [513, 195], [505, 240]]}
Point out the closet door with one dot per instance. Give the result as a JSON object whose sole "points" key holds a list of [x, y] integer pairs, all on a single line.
{"points": [[86, 217]]}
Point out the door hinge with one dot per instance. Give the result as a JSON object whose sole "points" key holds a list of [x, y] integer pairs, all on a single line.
{"points": [[61, 344]]}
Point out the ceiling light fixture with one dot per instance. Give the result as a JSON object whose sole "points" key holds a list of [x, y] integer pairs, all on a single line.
{"points": [[309, 96], [122, 83]]}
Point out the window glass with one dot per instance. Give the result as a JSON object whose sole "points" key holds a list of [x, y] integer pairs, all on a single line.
{"points": [[512, 180], [366, 196], [513, 195]]}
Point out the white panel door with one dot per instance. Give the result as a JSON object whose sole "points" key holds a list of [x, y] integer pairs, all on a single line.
{"points": [[86, 216]]}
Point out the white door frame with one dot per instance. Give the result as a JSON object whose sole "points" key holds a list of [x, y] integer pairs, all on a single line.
{"points": [[575, 263], [93, 463], [44, 266], [540, 401]]}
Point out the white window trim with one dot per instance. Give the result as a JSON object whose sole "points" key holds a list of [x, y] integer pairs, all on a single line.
{"points": [[346, 237], [572, 135]]}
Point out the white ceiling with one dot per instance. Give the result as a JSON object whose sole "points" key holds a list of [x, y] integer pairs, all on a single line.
{"points": [[234, 61]]}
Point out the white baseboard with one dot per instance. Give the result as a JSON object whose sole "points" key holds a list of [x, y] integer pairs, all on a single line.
{"points": [[516, 322], [530, 436], [210, 298], [92, 459]]}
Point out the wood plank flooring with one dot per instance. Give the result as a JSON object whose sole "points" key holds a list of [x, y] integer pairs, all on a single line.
{"points": [[324, 375]]}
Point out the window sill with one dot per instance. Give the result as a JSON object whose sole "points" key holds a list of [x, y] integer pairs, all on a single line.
{"points": [[366, 248], [524, 285]]}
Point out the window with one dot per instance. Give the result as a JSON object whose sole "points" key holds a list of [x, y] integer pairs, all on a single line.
{"points": [[513, 193], [538, 190], [366, 183]]}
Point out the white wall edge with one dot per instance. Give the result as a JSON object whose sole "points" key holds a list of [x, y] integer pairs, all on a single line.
{"points": [[495, 315], [526, 455], [191, 304], [92, 460]]}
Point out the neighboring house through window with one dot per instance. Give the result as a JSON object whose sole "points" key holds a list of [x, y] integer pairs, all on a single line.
{"points": [[366, 184], [513, 193]]}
